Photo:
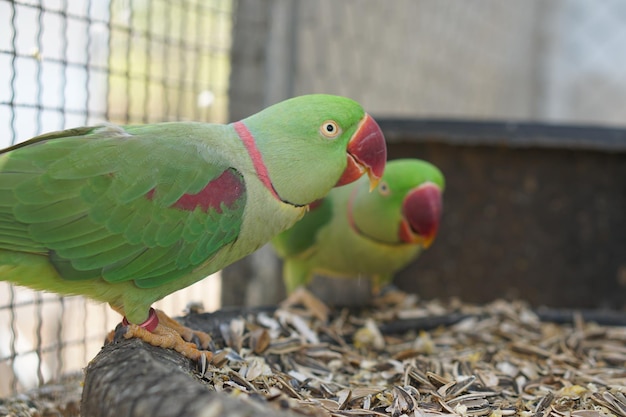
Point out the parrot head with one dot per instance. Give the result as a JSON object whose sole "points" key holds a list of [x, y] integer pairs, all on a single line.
{"points": [[405, 207], [312, 143]]}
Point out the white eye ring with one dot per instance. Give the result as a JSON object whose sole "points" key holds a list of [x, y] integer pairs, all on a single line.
{"points": [[330, 129], [383, 189]]}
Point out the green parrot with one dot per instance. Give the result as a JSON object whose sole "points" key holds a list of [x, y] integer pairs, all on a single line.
{"points": [[352, 232], [129, 214]]}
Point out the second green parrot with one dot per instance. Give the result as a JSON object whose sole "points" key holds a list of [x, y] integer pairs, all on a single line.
{"points": [[354, 232]]}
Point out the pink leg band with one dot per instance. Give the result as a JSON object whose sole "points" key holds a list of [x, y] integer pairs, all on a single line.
{"points": [[150, 324]]}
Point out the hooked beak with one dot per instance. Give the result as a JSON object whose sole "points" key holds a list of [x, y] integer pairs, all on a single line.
{"points": [[421, 214], [367, 153]]}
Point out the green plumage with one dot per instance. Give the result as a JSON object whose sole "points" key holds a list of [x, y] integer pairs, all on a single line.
{"points": [[129, 214], [353, 232]]}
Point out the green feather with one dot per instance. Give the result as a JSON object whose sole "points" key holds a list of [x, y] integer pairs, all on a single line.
{"points": [[68, 271], [55, 210], [136, 225], [71, 240], [135, 189], [39, 191]]}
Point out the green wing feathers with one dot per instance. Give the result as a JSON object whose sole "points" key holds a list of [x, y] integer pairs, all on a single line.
{"points": [[118, 203]]}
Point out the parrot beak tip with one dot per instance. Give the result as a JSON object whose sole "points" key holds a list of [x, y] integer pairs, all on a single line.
{"points": [[428, 241], [374, 180], [367, 153]]}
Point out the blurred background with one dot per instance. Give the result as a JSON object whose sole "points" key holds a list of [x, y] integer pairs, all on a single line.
{"points": [[520, 103]]}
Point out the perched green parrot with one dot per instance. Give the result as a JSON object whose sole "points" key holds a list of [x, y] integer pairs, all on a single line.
{"points": [[352, 232], [129, 214]]}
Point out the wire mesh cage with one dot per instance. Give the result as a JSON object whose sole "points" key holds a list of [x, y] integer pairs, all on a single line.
{"points": [[68, 63]]}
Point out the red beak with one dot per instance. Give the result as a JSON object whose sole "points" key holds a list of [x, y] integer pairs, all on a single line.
{"points": [[421, 212], [367, 153]]}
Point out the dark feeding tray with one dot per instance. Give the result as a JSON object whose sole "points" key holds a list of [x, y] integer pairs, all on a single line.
{"points": [[531, 211]]}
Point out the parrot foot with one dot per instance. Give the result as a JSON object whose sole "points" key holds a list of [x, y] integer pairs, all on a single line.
{"points": [[168, 338], [305, 297], [170, 334], [391, 296], [201, 339]]}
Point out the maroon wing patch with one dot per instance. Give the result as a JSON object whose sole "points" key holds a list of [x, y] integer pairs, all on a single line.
{"points": [[224, 190]]}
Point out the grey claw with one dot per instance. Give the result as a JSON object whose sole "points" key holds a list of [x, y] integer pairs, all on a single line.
{"points": [[120, 331]]}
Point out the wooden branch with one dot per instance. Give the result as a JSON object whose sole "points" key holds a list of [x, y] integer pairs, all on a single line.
{"points": [[130, 378]]}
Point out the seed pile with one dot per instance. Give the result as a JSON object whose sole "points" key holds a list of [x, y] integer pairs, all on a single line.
{"points": [[496, 360], [58, 399]]}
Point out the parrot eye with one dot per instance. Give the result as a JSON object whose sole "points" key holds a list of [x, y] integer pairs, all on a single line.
{"points": [[383, 189], [330, 129]]}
